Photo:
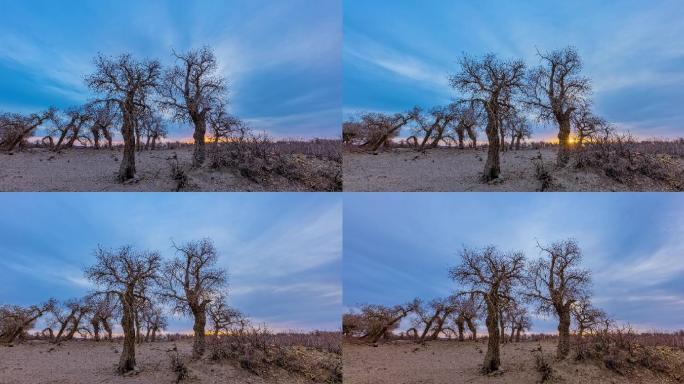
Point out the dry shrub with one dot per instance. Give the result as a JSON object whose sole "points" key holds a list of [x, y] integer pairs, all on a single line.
{"points": [[542, 174], [621, 350], [543, 367], [178, 366], [261, 352], [316, 164], [178, 173], [623, 158]]}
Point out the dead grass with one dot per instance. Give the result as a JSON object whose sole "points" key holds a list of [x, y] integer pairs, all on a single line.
{"points": [[315, 356]]}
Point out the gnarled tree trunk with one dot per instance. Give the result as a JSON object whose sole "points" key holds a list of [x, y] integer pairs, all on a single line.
{"points": [[127, 167], [492, 168], [492, 360], [199, 154], [199, 345], [563, 334], [564, 141], [127, 359]]}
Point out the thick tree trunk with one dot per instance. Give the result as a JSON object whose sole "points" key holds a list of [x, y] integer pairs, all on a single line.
{"points": [[58, 146], [96, 329], [502, 328], [127, 359], [147, 335], [461, 327], [517, 334], [517, 143], [492, 360], [199, 154], [510, 339], [107, 329], [154, 335], [138, 330], [127, 167], [563, 141], [502, 138], [563, 334], [492, 168], [154, 143], [96, 138], [472, 328], [199, 344]]}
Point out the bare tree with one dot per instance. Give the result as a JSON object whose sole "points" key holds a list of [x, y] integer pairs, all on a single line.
{"points": [[225, 126], [127, 274], [126, 83], [587, 316], [15, 320], [379, 320], [519, 130], [16, 128], [379, 128], [556, 283], [191, 282], [153, 320], [191, 90], [434, 125], [103, 119], [225, 318], [589, 127], [556, 90], [491, 83], [71, 128], [103, 311], [491, 275], [68, 318], [468, 117]]}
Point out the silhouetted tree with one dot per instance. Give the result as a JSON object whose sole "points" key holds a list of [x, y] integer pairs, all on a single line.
{"points": [[490, 275], [126, 83], [191, 281], [127, 274], [224, 318], [103, 119], [15, 320], [587, 316], [556, 90], [191, 90], [15, 128], [490, 82], [556, 283]]}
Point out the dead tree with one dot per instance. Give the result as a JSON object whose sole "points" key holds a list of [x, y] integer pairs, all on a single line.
{"points": [[490, 83], [16, 128], [589, 127], [191, 281], [519, 129], [587, 317], [379, 320], [556, 283], [153, 321], [191, 90], [15, 320], [103, 119], [224, 318], [68, 318], [103, 309], [226, 127], [556, 89], [126, 83], [379, 128], [467, 123], [126, 274], [434, 126], [490, 275], [520, 322], [72, 128]]}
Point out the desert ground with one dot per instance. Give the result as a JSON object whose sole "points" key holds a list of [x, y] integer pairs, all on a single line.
{"points": [[90, 170], [450, 169], [452, 362], [91, 362]]}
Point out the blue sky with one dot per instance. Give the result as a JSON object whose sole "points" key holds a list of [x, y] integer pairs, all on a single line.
{"points": [[399, 54], [398, 246], [282, 250], [281, 59]]}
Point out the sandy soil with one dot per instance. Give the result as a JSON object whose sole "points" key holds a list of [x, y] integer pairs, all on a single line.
{"points": [[452, 362], [89, 362], [450, 169], [87, 170]]}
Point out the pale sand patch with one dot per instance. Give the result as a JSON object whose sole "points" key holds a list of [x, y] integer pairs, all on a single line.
{"points": [[87, 362], [90, 170], [455, 170], [453, 362]]}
